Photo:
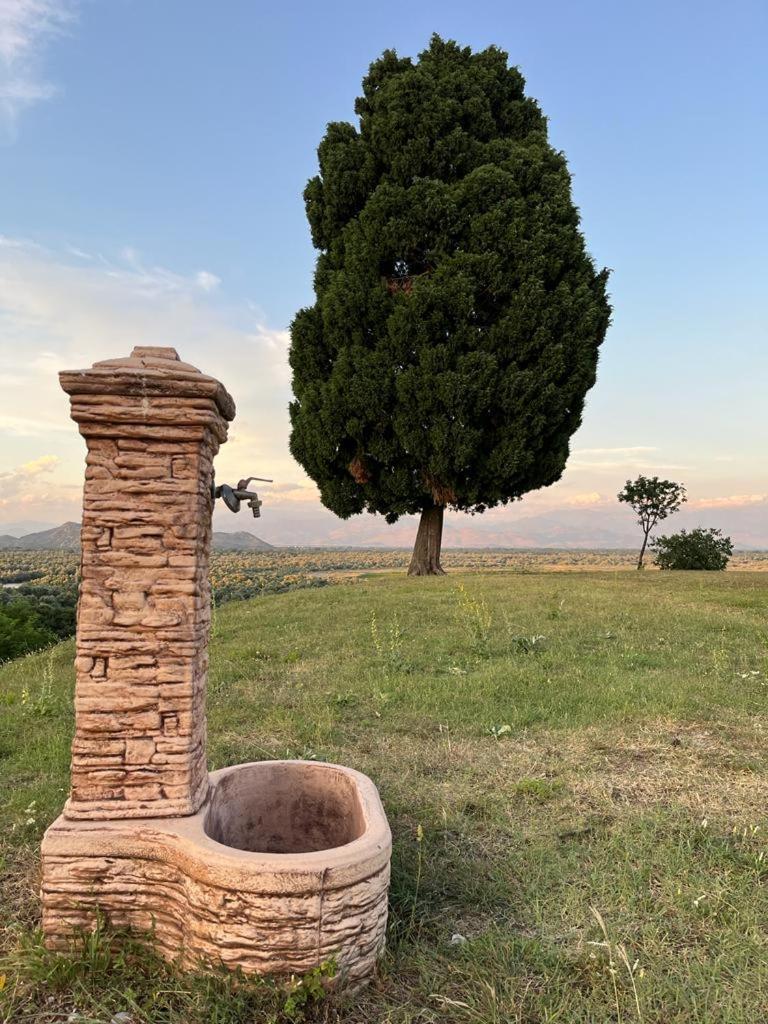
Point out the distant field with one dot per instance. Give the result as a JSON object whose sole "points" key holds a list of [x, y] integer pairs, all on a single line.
{"points": [[245, 574], [574, 765]]}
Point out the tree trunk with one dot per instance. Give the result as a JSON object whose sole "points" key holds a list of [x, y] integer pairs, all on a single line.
{"points": [[642, 552], [425, 560]]}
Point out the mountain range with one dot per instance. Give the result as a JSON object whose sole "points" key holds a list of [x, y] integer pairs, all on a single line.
{"points": [[601, 526], [67, 538]]}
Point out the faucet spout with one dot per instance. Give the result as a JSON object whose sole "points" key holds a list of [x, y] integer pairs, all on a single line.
{"points": [[233, 496]]}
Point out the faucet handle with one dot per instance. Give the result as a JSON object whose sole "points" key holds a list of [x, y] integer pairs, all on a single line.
{"points": [[231, 499], [234, 495]]}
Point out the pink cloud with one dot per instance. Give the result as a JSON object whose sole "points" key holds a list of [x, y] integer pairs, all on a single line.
{"points": [[732, 501]]}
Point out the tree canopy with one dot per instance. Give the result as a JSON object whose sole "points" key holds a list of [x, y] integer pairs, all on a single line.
{"points": [[458, 315], [653, 500]]}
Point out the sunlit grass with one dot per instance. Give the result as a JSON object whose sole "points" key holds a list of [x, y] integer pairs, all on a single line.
{"points": [[574, 768]]}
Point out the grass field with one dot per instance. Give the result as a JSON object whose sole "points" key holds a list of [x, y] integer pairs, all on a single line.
{"points": [[574, 766]]}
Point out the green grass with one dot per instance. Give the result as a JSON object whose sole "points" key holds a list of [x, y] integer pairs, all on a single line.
{"points": [[573, 765]]}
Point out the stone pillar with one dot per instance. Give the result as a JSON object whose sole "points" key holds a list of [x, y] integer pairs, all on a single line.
{"points": [[152, 425]]}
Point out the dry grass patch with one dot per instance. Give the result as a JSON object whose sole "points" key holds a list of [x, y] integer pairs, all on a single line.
{"points": [[701, 767]]}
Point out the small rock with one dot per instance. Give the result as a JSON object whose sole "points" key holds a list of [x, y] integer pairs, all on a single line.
{"points": [[457, 939], [122, 1018]]}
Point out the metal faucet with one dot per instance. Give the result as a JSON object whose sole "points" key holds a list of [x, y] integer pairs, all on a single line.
{"points": [[234, 495]]}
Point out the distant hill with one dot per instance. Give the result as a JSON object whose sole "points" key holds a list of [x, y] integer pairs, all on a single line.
{"points": [[67, 538], [61, 538], [241, 541]]}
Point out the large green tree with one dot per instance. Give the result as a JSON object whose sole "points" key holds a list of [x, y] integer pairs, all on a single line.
{"points": [[458, 315]]}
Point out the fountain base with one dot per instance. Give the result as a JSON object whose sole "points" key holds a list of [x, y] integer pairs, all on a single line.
{"points": [[285, 867]]}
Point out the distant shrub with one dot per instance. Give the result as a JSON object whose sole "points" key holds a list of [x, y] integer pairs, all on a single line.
{"points": [[699, 549], [20, 576], [33, 616], [55, 606], [21, 630]]}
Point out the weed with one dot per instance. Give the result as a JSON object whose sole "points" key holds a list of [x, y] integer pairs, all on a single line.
{"points": [[456, 670], [214, 615], [419, 868], [538, 790], [41, 702], [304, 754], [529, 644], [556, 611], [306, 989], [445, 730], [497, 731], [389, 648], [613, 952], [476, 619]]}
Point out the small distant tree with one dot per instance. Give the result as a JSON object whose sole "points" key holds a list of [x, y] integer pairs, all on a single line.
{"points": [[653, 500], [699, 549]]}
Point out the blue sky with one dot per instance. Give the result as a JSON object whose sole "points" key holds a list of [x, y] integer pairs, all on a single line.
{"points": [[152, 159]]}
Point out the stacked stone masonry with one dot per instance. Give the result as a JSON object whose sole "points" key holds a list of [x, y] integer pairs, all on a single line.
{"points": [[152, 426]]}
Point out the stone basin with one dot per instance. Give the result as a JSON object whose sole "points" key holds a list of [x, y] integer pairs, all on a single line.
{"points": [[288, 807], [284, 867]]}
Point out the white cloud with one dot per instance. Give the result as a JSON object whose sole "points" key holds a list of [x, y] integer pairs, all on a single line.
{"points": [[731, 501], [627, 465], [152, 281], [59, 311], [32, 425], [17, 484], [18, 243], [26, 28], [43, 464], [80, 253], [625, 459], [584, 500], [208, 282], [633, 450]]}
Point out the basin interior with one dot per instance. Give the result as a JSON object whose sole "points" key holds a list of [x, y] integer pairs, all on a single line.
{"points": [[284, 807]]}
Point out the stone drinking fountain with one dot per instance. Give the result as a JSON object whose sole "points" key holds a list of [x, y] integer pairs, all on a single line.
{"points": [[273, 867]]}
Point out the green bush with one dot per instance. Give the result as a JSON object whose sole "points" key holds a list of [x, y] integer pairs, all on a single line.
{"points": [[21, 630], [33, 616], [699, 549], [55, 606]]}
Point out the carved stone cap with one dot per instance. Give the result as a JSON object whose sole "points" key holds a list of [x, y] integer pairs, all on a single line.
{"points": [[149, 370]]}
